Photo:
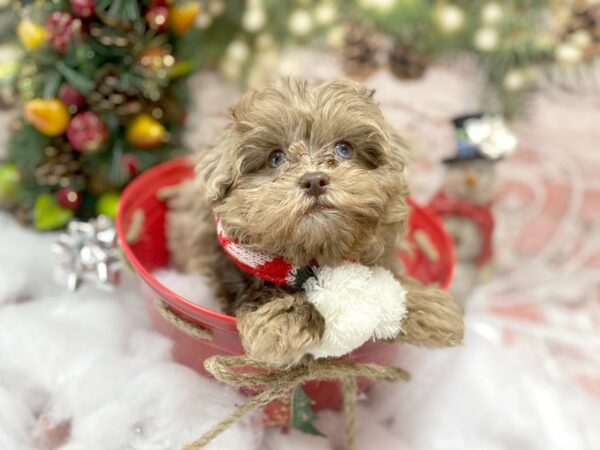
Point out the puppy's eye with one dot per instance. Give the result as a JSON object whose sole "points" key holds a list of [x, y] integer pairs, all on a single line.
{"points": [[276, 158], [343, 150]]}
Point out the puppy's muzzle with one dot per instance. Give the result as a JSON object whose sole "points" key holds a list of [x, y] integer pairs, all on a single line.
{"points": [[314, 183]]}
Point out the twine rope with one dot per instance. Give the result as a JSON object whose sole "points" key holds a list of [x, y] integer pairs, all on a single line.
{"points": [[281, 382], [182, 324]]}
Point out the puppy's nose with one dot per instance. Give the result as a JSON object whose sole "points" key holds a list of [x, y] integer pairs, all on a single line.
{"points": [[314, 183]]}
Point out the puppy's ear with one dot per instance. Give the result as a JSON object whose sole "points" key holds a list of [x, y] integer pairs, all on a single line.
{"points": [[340, 87], [239, 112], [216, 168], [366, 92], [234, 115], [399, 148]]}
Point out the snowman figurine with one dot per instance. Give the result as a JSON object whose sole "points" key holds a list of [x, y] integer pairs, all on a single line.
{"points": [[465, 201]]}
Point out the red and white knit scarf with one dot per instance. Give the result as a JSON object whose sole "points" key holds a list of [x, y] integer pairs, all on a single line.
{"points": [[267, 266], [357, 303]]}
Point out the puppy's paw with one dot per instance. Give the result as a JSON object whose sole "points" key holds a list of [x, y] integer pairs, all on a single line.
{"points": [[279, 332], [433, 319]]}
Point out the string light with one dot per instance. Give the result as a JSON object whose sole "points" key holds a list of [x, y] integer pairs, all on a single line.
{"points": [[325, 13], [568, 54], [300, 22], [486, 39], [514, 80], [450, 18], [254, 19], [378, 5], [492, 13]]}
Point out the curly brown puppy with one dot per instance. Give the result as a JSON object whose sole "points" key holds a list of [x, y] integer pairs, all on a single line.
{"points": [[315, 175]]}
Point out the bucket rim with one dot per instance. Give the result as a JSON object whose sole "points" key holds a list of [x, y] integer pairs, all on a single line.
{"points": [[142, 181], [146, 179]]}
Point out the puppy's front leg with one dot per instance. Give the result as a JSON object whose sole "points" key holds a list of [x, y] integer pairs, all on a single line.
{"points": [[433, 320], [277, 326]]}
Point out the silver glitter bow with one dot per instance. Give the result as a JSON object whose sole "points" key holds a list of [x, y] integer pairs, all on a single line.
{"points": [[491, 135], [88, 251]]}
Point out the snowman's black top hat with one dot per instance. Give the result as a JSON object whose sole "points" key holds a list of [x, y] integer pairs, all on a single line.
{"points": [[466, 150]]}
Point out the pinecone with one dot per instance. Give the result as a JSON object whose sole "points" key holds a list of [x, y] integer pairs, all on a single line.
{"points": [[406, 60], [167, 109], [98, 183], [61, 167], [8, 98], [114, 33], [585, 18], [360, 52], [23, 215], [111, 95]]}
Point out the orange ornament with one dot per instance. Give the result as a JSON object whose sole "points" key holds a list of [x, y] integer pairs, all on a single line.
{"points": [[182, 16], [49, 116]]}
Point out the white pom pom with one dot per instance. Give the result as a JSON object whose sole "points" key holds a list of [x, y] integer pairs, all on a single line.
{"points": [[342, 295], [391, 297], [357, 303]]}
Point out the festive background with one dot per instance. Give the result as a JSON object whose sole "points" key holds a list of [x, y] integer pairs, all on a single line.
{"points": [[85, 370]]}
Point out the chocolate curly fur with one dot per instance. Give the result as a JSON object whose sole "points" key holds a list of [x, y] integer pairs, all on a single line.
{"points": [[361, 216]]}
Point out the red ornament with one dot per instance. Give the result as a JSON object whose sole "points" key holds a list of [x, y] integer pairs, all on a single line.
{"points": [[62, 29], [83, 9], [130, 164], [157, 18], [87, 132], [155, 3], [71, 97], [69, 198]]}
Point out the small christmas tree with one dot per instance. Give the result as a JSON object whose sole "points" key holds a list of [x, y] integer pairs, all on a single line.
{"points": [[103, 86]]}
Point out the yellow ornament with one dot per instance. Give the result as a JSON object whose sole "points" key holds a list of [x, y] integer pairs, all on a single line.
{"points": [[49, 116], [10, 181], [31, 34], [145, 132], [108, 204], [48, 214], [182, 16]]}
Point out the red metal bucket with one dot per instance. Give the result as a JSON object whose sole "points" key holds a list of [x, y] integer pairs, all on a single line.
{"points": [[150, 253]]}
